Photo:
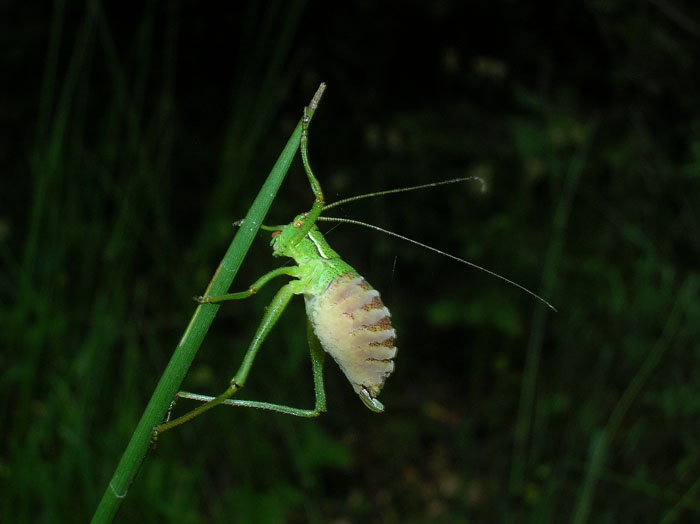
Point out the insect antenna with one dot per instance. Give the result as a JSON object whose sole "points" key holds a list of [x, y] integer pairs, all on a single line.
{"points": [[406, 189], [431, 248]]}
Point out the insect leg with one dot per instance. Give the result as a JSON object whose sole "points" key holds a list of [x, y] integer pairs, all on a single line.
{"points": [[303, 145], [254, 287], [305, 225], [272, 314], [317, 355]]}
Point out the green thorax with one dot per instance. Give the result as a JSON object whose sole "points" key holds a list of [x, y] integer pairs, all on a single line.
{"points": [[318, 263]]}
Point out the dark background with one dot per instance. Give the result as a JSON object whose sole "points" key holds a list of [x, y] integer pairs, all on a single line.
{"points": [[132, 136]]}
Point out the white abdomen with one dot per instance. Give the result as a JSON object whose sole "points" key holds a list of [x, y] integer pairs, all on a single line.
{"points": [[354, 326]]}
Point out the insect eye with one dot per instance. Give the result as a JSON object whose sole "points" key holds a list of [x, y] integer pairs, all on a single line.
{"points": [[298, 223], [275, 233]]}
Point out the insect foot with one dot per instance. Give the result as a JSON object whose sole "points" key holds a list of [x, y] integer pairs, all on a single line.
{"points": [[154, 438]]}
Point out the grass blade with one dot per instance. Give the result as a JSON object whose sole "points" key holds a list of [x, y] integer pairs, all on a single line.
{"points": [[193, 336]]}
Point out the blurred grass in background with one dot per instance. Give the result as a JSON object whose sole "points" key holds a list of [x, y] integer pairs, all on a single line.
{"points": [[132, 140]]}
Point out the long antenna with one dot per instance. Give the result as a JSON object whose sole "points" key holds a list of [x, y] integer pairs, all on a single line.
{"points": [[406, 189], [426, 246]]}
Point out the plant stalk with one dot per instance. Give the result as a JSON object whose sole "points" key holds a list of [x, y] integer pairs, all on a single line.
{"points": [[184, 353]]}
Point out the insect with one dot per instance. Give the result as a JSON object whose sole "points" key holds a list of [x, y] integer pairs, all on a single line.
{"points": [[346, 317]]}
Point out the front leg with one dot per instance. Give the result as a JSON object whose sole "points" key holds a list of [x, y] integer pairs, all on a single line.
{"points": [[254, 287]]}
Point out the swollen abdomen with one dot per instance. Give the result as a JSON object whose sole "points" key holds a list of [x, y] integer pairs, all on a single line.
{"points": [[354, 326]]}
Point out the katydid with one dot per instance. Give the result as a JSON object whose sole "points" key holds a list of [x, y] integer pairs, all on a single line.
{"points": [[345, 315]]}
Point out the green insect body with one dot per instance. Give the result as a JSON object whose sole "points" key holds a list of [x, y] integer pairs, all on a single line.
{"points": [[346, 317], [346, 313]]}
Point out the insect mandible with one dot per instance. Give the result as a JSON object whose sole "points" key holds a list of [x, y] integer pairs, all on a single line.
{"points": [[345, 315]]}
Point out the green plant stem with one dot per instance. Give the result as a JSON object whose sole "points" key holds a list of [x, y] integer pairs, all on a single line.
{"points": [[526, 407], [193, 336], [603, 439]]}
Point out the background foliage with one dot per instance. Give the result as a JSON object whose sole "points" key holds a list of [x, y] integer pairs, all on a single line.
{"points": [[132, 138]]}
